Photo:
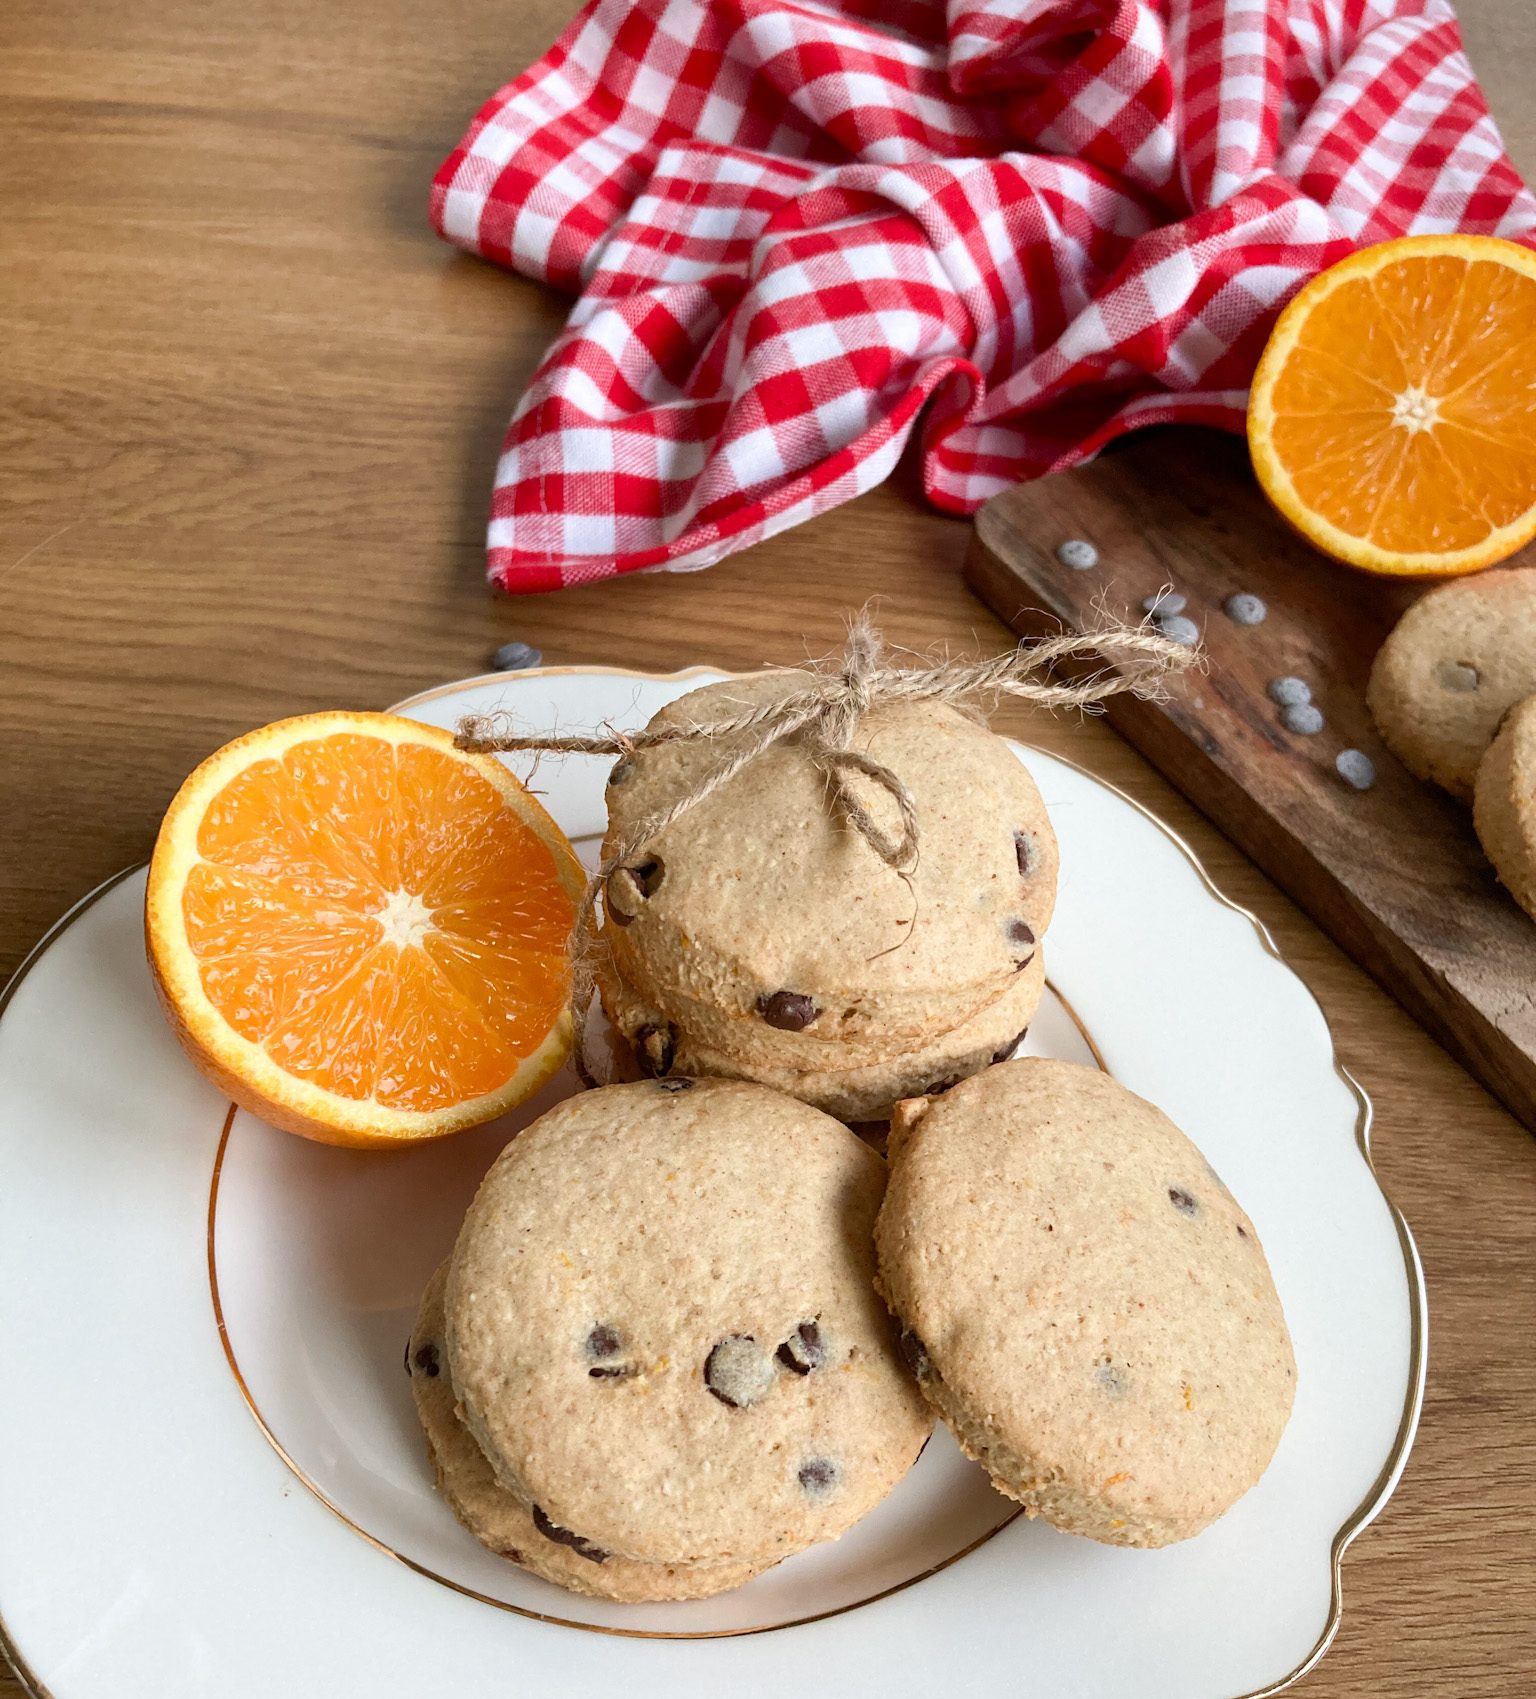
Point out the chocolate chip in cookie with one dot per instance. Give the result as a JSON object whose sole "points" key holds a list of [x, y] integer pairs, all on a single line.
{"points": [[819, 1477], [564, 1537], [804, 1350], [789, 1011], [738, 1371]]}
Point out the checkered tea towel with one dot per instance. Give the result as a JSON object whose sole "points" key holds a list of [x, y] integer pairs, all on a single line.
{"points": [[796, 228]]}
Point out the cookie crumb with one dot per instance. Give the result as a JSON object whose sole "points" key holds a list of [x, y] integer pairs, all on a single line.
{"points": [[1303, 719], [1245, 609], [1080, 556], [1290, 691], [1356, 768]]}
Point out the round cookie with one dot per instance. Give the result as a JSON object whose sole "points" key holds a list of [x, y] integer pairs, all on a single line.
{"points": [[860, 1092], [1085, 1303], [760, 903], [504, 1523], [1504, 807], [663, 1329], [1453, 666]]}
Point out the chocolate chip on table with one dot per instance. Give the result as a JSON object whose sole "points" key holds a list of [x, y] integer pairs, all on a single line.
{"points": [[1290, 691], [1244, 608], [678, 1082], [738, 1371], [1180, 629], [426, 1359], [655, 1047], [630, 887], [1303, 719], [1077, 554], [914, 1354], [1009, 1048], [1027, 851], [514, 657], [1182, 1201], [804, 1350], [1355, 768], [1165, 602], [789, 1011], [819, 1476], [564, 1537]]}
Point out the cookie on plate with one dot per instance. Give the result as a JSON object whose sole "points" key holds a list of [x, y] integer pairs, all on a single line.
{"points": [[857, 1091], [663, 1330], [1460, 658], [1084, 1302], [1504, 807], [760, 905], [504, 1522]]}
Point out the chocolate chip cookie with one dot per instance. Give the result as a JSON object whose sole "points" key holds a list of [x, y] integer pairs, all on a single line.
{"points": [[1504, 806], [1460, 658], [507, 1525], [663, 1331], [760, 909], [1084, 1302]]}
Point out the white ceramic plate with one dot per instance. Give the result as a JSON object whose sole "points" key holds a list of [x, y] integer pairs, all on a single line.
{"points": [[201, 1324]]}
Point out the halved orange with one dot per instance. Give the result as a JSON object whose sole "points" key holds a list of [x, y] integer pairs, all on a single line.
{"points": [[1392, 418], [359, 932]]}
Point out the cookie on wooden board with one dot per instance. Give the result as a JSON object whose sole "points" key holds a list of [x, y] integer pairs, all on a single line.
{"points": [[761, 904], [1504, 806], [503, 1522], [663, 1330], [1084, 1302], [1460, 658], [857, 1091]]}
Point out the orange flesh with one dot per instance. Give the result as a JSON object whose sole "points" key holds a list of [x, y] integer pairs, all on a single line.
{"points": [[379, 920], [1448, 342]]}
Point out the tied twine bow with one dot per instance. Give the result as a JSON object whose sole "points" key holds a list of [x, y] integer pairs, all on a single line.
{"points": [[825, 712]]}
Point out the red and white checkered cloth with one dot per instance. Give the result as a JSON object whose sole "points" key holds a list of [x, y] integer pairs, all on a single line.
{"points": [[793, 223]]}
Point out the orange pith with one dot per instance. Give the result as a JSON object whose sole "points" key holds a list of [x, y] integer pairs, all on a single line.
{"points": [[360, 931], [1393, 415]]}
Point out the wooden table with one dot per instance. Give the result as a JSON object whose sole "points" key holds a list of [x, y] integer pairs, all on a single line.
{"points": [[249, 409]]}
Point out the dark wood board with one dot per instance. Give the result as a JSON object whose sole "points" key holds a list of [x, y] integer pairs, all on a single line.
{"points": [[1394, 874]]}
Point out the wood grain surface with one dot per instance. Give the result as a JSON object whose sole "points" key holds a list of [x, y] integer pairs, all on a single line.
{"points": [[249, 410], [1394, 874]]}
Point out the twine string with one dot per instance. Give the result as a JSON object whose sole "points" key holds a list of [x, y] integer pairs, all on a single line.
{"points": [[828, 709]]}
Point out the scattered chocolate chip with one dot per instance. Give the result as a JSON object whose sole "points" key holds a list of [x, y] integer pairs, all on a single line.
{"points": [[1165, 602], [426, 1360], [629, 888], [1290, 691], [604, 1341], [655, 1047], [1245, 609], [1020, 932], [1075, 553], [804, 1350], [621, 770], [1180, 629], [514, 657], [1355, 768], [1009, 1048], [564, 1537], [680, 1082], [789, 1011], [1027, 851], [819, 1476], [738, 1371], [1182, 1201], [1111, 1381], [1303, 719], [1458, 677], [914, 1354]]}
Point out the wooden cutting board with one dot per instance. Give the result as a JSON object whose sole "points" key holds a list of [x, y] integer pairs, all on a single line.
{"points": [[1394, 873]]}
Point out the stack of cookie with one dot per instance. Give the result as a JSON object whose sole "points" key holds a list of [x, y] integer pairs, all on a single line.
{"points": [[1453, 693], [759, 937], [656, 1363]]}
